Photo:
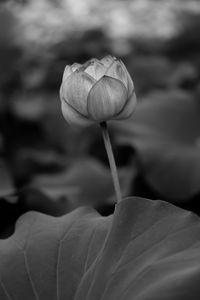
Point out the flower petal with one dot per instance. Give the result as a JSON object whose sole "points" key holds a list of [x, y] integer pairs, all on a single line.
{"points": [[75, 66], [72, 116], [96, 69], [75, 90], [130, 84], [67, 72], [118, 70], [128, 108], [108, 60], [61, 93], [106, 98]]}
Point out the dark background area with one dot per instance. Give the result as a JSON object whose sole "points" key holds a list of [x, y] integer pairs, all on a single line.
{"points": [[48, 166]]}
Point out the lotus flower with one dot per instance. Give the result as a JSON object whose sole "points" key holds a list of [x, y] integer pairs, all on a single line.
{"points": [[97, 91]]}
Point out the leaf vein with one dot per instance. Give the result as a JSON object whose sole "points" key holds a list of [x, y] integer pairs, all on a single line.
{"points": [[5, 290], [29, 276], [58, 257]]}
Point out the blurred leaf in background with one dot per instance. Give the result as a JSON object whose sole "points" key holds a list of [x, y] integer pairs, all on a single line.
{"points": [[165, 132], [6, 182], [86, 182], [10, 52]]}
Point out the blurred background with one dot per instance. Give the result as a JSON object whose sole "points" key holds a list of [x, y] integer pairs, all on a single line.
{"points": [[47, 166]]}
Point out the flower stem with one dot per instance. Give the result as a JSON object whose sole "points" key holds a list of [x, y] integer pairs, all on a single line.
{"points": [[111, 159]]}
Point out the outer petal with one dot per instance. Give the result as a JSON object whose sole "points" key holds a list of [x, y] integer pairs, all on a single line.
{"points": [[72, 116], [67, 72], [106, 98], [108, 60], [118, 70], [96, 69], [130, 83], [128, 108], [75, 67], [75, 90]]}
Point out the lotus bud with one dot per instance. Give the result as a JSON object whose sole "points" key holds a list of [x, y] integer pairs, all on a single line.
{"points": [[97, 91]]}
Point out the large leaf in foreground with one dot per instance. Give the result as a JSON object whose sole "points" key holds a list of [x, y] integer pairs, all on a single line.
{"points": [[147, 250], [165, 131]]}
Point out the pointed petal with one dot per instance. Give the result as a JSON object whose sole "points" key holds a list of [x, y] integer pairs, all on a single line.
{"points": [[130, 84], [106, 98], [67, 72], [128, 108], [72, 116], [118, 70], [108, 60], [75, 66], [75, 90], [115, 70], [96, 69]]}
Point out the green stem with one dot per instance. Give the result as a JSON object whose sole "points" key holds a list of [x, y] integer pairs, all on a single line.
{"points": [[111, 159]]}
